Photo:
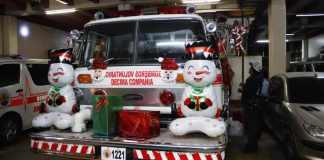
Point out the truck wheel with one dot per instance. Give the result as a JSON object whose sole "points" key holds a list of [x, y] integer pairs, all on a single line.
{"points": [[10, 128]]}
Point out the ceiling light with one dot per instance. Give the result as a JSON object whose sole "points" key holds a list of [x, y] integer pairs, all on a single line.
{"points": [[265, 41], [60, 11], [199, 1], [310, 15], [62, 2], [290, 34], [24, 30]]}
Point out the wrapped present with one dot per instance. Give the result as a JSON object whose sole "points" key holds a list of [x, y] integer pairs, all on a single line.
{"points": [[138, 124], [104, 114]]}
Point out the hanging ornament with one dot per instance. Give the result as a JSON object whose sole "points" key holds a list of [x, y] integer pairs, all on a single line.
{"points": [[238, 32]]}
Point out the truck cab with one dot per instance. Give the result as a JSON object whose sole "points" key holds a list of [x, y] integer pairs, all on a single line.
{"points": [[131, 47]]}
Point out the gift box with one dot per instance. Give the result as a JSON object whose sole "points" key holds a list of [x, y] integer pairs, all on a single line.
{"points": [[138, 124], [104, 114]]}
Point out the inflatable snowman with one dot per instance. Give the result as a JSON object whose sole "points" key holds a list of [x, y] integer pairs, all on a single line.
{"points": [[200, 104], [61, 104]]}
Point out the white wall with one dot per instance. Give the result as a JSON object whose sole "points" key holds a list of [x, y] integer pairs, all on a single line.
{"points": [[39, 40], [314, 45], [236, 64]]}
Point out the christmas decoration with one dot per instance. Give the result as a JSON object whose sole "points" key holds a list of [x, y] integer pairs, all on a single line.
{"points": [[138, 124], [61, 105], [169, 69], [199, 103], [238, 32], [104, 114]]}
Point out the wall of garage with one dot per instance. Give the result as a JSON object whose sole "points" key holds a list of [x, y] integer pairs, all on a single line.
{"points": [[35, 40], [314, 45]]}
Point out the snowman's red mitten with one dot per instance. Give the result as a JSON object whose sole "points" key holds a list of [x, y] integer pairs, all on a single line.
{"points": [[60, 100], [189, 103]]}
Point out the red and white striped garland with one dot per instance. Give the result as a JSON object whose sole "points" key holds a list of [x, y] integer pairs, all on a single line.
{"points": [[63, 148], [169, 155]]}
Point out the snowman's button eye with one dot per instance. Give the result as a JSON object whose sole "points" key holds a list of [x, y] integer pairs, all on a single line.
{"points": [[59, 69], [205, 67], [191, 67]]}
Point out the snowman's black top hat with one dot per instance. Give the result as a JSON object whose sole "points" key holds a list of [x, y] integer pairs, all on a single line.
{"points": [[203, 50], [61, 56]]}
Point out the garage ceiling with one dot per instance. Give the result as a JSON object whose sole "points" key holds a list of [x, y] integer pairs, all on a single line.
{"points": [[297, 27], [33, 10], [300, 27]]}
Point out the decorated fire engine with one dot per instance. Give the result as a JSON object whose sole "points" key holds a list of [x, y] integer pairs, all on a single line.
{"points": [[151, 89]]}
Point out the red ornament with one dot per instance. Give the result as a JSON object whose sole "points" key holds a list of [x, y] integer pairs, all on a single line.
{"points": [[167, 97], [138, 124]]}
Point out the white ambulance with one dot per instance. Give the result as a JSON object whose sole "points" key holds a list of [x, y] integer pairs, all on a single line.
{"points": [[23, 88]]}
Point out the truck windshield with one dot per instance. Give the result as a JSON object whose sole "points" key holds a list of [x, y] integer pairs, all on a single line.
{"points": [[166, 39], [155, 38], [308, 90]]}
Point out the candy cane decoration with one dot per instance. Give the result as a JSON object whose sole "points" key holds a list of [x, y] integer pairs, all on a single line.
{"points": [[238, 31]]}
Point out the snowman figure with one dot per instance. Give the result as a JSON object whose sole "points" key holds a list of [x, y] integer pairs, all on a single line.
{"points": [[61, 104], [169, 69], [200, 104]]}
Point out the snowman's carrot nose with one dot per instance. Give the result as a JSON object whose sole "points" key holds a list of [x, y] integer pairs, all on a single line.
{"points": [[201, 72]]}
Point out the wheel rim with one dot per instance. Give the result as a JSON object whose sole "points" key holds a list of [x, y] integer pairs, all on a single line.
{"points": [[11, 131]]}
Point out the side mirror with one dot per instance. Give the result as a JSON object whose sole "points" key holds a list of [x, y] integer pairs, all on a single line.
{"points": [[211, 27]]}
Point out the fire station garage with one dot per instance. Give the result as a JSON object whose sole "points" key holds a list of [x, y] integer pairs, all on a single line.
{"points": [[162, 79]]}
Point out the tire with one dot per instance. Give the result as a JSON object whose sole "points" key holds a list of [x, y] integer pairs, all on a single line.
{"points": [[10, 128]]}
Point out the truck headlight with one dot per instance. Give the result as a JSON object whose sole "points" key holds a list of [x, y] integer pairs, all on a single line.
{"points": [[314, 130]]}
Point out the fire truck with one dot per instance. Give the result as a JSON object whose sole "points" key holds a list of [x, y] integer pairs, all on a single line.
{"points": [[131, 46]]}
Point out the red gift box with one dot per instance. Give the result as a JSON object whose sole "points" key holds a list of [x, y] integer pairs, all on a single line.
{"points": [[138, 124]]}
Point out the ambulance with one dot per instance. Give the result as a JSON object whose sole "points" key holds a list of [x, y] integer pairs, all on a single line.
{"points": [[23, 89]]}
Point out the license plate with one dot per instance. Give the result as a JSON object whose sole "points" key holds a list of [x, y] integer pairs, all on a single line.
{"points": [[113, 153]]}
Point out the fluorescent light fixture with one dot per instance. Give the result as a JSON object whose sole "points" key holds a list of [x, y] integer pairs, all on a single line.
{"points": [[199, 1], [170, 43], [290, 34], [265, 41], [62, 2], [310, 15], [60, 11]]}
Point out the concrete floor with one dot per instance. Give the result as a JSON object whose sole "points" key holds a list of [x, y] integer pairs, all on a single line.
{"points": [[268, 150]]}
